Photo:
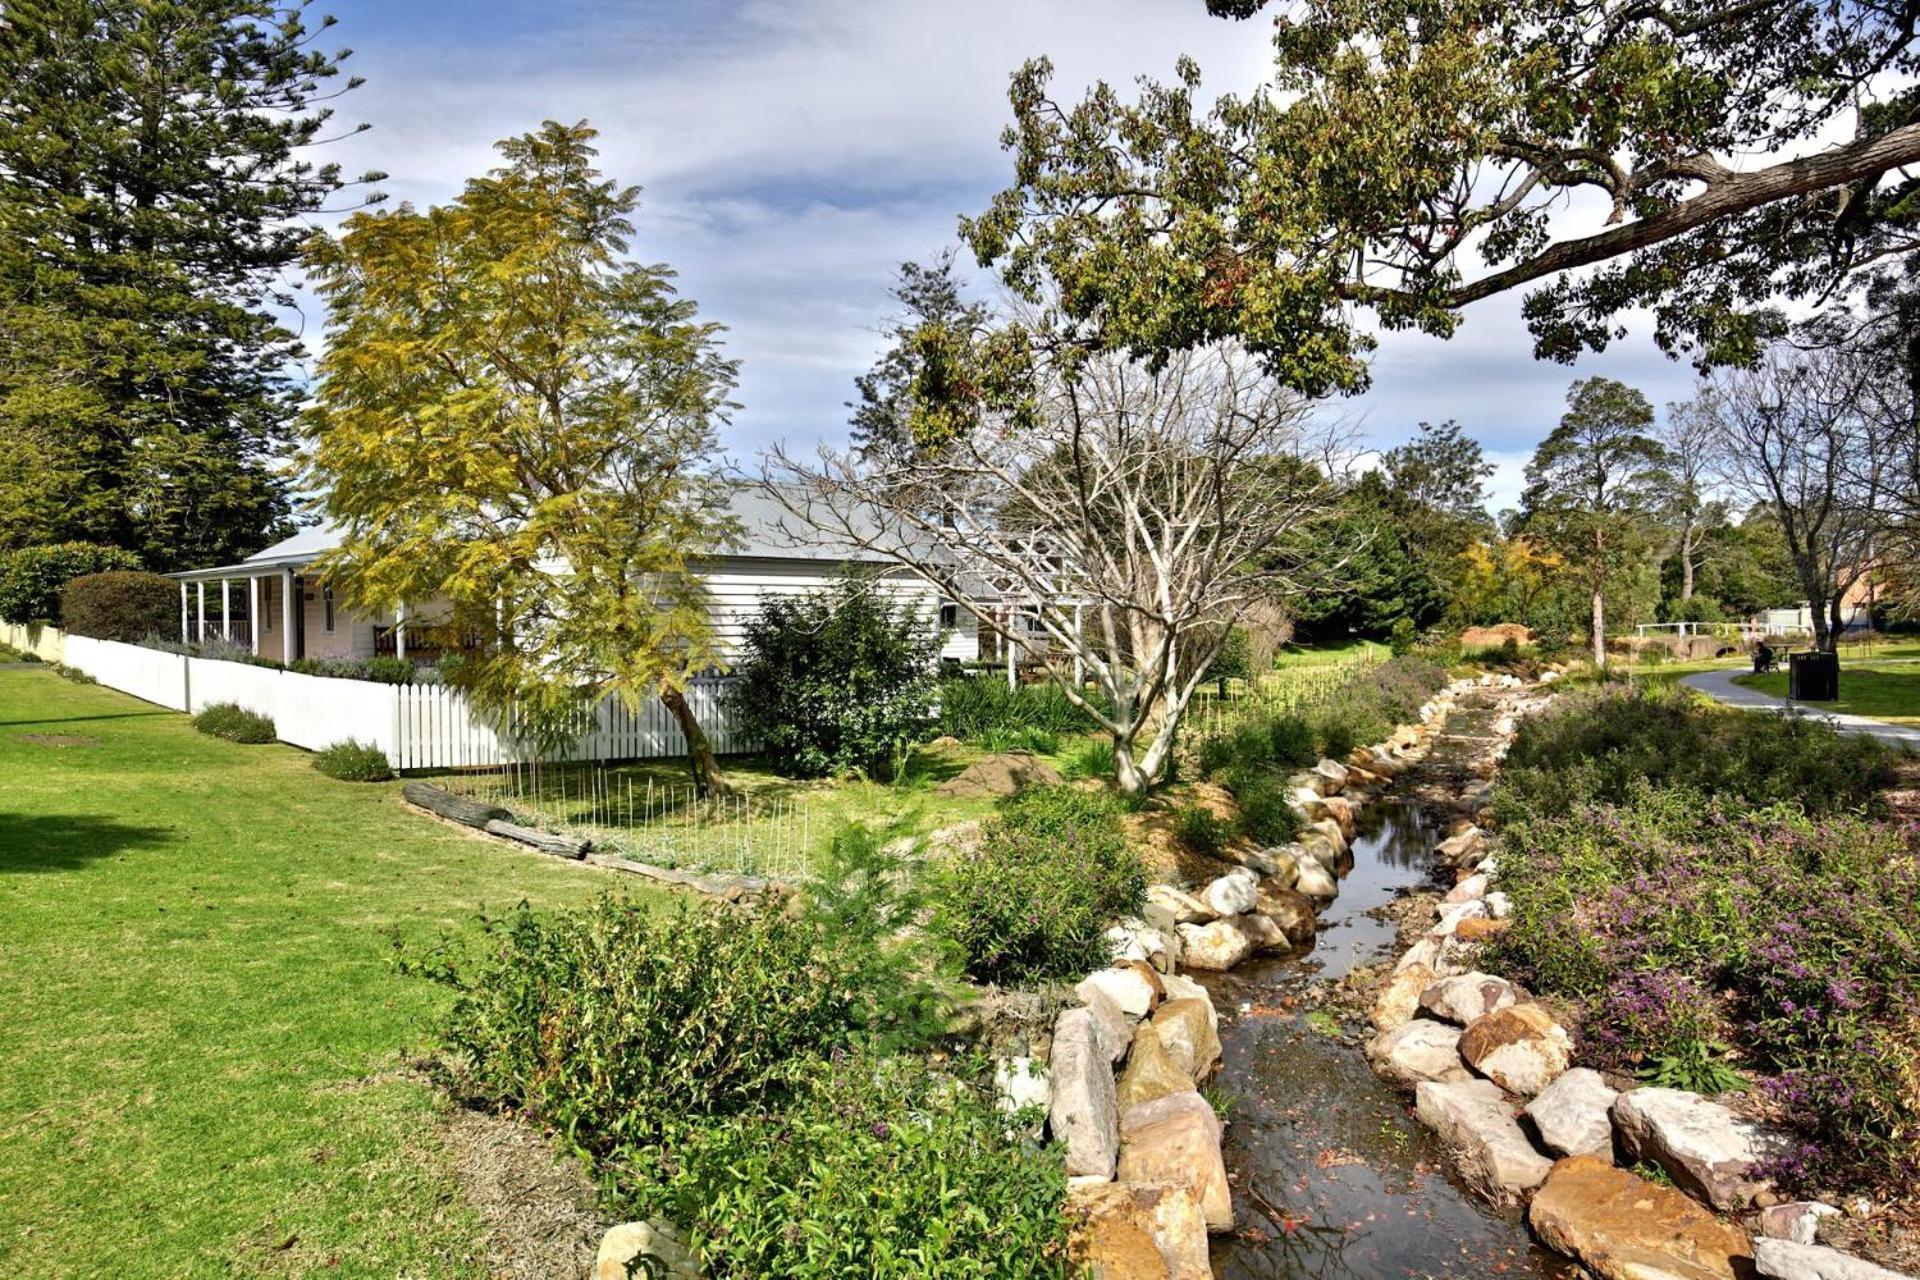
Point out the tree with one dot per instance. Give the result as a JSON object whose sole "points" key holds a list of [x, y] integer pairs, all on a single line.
{"points": [[1795, 438], [1593, 485], [513, 416], [1411, 157], [1691, 438], [920, 376], [1436, 492], [153, 193], [1386, 573], [1131, 516]]}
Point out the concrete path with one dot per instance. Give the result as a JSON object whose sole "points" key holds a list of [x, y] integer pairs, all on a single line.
{"points": [[1720, 685]]}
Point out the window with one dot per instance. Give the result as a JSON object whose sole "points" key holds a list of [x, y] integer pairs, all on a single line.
{"points": [[326, 597], [949, 616]]}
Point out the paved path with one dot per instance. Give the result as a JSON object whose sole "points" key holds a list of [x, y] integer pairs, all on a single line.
{"points": [[1720, 685]]}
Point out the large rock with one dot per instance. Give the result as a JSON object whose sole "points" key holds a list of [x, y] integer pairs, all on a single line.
{"points": [[1181, 987], [1416, 1051], [1266, 935], [1316, 882], [1084, 1111], [1112, 1025], [1121, 1232], [1218, 946], [1329, 777], [1398, 996], [995, 776], [1340, 810], [1326, 834], [1622, 1227], [1230, 895], [657, 1240], [1473, 888], [1468, 997], [1183, 907], [1021, 1083], [1188, 1032], [1136, 988], [1475, 1118], [1434, 951], [1798, 1221], [1459, 850], [1702, 1146], [1791, 1260], [1520, 1048], [1573, 1115], [1151, 1071], [1291, 910], [1175, 1142], [1455, 914]]}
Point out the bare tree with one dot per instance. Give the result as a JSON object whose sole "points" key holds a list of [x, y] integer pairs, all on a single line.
{"points": [[1130, 517], [1692, 440], [1796, 436]]}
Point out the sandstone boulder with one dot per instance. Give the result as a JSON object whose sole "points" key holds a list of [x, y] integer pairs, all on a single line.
{"points": [[1520, 1048], [1120, 1232], [1084, 1112], [1573, 1115], [1702, 1146], [1183, 907], [1475, 1118], [1230, 894], [1468, 997], [1151, 1071], [657, 1240], [1316, 882], [1136, 988], [1473, 887], [1175, 1142], [1291, 910], [1112, 1025], [1217, 947], [1455, 914], [1481, 929], [1622, 1227], [1188, 1032], [1265, 933], [1798, 1221], [1432, 951], [1417, 1050], [1398, 996], [1181, 987], [996, 776], [1790, 1260], [1020, 1083], [1339, 810], [1329, 777]]}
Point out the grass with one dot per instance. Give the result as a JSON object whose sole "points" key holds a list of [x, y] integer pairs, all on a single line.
{"points": [[1890, 692], [205, 1041]]}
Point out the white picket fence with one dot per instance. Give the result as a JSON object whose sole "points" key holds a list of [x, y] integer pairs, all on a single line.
{"points": [[419, 726]]}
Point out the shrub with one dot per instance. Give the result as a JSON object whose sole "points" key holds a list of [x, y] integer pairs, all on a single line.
{"points": [[31, 578], [1402, 636], [234, 723], [389, 670], [1040, 741], [1033, 901], [352, 761], [1089, 758], [878, 1168], [1267, 815], [974, 705], [120, 605], [838, 680], [1201, 830]]}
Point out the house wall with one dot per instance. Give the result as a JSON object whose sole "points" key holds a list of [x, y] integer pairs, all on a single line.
{"points": [[740, 584]]}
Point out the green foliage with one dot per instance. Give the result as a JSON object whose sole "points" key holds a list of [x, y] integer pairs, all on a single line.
{"points": [[31, 577], [1267, 815], [574, 400], [1053, 871], [155, 189], [234, 723], [1201, 830], [875, 1168], [352, 761], [1089, 758], [1696, 1065], [972, 706], [838, 680], [123, 605], [1402, 637]]}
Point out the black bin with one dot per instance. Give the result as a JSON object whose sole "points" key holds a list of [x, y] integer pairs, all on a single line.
{"points": [[1813, 677]]}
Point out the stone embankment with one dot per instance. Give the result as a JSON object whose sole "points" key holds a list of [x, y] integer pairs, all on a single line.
{"points": [[1493, 1073]]}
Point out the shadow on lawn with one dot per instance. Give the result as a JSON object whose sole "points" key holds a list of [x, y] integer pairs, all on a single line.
{"points": [[62, 842], [123, 715]]}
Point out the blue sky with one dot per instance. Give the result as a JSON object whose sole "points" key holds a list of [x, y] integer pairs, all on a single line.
{"points": [[794, 153]]}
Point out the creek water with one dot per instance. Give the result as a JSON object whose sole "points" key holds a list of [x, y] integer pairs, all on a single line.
{"points": [[1332, 1175]]}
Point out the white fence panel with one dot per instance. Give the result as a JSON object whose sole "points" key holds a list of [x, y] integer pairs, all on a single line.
{"points": [[45, 643], [255, 688], [439, 730], [145, 673], [318, 711]]}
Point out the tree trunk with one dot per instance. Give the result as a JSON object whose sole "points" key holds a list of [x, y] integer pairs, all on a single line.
{"points": [[1686, 563], [1599, 629], [1126, 773], [701, 762]]}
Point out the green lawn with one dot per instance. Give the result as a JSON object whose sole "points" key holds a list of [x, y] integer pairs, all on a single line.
{"points": [[203, 1037], [1888, 690]]}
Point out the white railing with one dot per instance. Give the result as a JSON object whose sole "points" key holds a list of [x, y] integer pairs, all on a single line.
{"points": [[418, 726]]}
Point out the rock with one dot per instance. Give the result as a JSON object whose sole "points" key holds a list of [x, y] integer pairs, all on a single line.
{"points": [[1434, 952], [1112, 1025], [1021, 1082], [1467, 997], [1499, 905], [1798, 1221], [1520, 1048], [1329, 777], [1264, 932], [1622, 1227], [658, 1240], [1398, 996], [1316, 882], [1184, 907], [1134, 987], [1229, 895], [1473, 887], [1457, 850], [1188, 1031], [1291, 910], [1700, 1144], [1328, 833], [1286, 867], [1181, 987], [1175, 1142], [1120, 1232], [1137, 940], [1573, 1115], [1455, 914], [1340, 811], [1417, 1050], [1084, 1112], [1481, 930], [1004, 774], [1218, 946], [1791, 1260], [1151, 1071], [1474, 1117]]}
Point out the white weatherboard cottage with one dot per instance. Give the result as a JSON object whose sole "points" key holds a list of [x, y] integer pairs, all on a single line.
{"points": [[298, 616]]}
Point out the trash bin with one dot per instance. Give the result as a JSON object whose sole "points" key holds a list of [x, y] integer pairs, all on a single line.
{"points": [[1813, 677]]}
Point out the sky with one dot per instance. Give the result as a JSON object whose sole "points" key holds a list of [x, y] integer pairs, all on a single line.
{"points": [[794, 152]]}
